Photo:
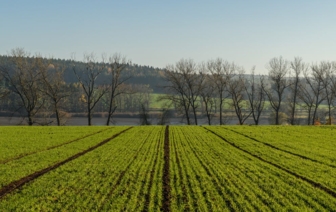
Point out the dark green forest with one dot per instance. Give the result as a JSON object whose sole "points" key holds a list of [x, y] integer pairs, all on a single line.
{"points": [[145, 75]]}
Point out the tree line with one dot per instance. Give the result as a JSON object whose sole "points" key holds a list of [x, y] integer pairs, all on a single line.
{"points": [[210, 84], [34, 86]]}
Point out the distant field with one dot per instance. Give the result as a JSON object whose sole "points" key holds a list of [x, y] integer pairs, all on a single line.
{"points": [[174, 168], [155, 104]]}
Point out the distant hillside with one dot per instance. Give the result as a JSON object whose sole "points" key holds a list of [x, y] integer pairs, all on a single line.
{"points": [[140, 74]]}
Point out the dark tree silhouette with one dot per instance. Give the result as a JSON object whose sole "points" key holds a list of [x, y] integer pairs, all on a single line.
{"points": [[87, 80]]}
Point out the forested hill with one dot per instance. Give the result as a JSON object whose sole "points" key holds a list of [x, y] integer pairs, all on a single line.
{"points": [[147, 75]]}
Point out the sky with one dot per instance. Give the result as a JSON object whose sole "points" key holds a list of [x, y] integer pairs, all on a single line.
{"points": [[159, 33]]}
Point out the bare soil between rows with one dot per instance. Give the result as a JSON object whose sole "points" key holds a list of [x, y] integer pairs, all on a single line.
{"points": [[165, 177]]}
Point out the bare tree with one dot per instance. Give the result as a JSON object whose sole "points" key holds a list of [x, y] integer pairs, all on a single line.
{"points": [[314, 80], [328, 79], [194, 82], [184, 87], [117, 65], [236, 88], [87, 77], [3, 90], [23, 79], [221, 73], [163, 118], [307, 97], [333, 85], [175, 89], [278, 69], [298, 67], [207, 94], [255, 95], [144, 115], [179, 102], [54, 88]]}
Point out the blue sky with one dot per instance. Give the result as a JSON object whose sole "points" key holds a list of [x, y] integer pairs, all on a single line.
{"points": [[158, 33]]}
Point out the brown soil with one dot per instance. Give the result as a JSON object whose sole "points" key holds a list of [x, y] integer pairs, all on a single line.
{"points": [[165, 177]]}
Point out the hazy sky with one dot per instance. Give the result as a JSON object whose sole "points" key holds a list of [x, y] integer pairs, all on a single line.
{"points": [[157, 33]]}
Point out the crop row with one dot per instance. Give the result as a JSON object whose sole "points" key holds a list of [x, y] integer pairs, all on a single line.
{"points": [[16, 142], [123, 174], [317, 143], [193, 168], [210, 174], [16, 169], [314, 171]]}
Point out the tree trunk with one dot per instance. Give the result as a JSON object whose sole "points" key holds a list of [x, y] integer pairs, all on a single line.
{"points": [[109, 113], [293, 110], [30, 120], [89, 114], [329, 114], [277, 117], [241, 120], [89, 119], [207, 113], [314, 115], [188, 119], [187, 115], [309, 111], [58, 118], [255, 118], [220, 110], [195, 116], [111, 109], [108, 119]]}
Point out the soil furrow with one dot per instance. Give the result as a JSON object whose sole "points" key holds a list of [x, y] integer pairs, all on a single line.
{"points": [[50, 148], [283, 150], [303, 178], [165, 177], [19, 183]]}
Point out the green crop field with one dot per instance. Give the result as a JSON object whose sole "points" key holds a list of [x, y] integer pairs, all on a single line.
{"points": [[168, 168]]}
